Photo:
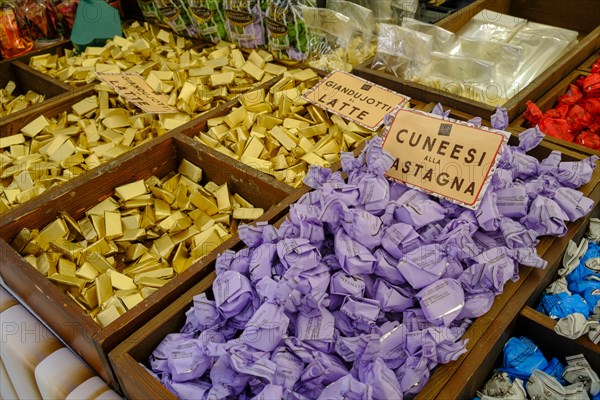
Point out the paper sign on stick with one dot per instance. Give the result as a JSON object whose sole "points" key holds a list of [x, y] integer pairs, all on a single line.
{"points": [[133, 88], [442, 156], [358, 100]]}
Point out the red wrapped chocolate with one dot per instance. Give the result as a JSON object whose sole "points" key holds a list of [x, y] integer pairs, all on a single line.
{"points": [[576, 116]]}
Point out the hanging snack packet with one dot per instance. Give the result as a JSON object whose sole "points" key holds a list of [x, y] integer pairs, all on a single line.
{"points": [[173, 14], [361, 43], [245, 22], [330, 33], [208, 17], [287, 37]]}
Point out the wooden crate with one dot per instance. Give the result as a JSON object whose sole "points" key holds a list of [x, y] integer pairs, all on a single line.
{"points": [[157, 158], [579, 15], [586, 66], [27, 79], [137, 383], [476, 366], [13, 124], [547, 102], [51, 107]]}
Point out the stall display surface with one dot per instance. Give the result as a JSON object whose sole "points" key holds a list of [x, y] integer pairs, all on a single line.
{"points": [[584, 12], [216, 142]]}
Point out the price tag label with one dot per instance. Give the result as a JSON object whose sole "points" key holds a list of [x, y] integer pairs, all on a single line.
{"points": [[358, 100], [444, 157], [133, 88]]}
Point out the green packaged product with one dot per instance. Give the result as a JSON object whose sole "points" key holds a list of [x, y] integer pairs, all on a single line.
{"points": [[149, 11], [287, 37], [174, 14], [245, 22], [208, 16]]}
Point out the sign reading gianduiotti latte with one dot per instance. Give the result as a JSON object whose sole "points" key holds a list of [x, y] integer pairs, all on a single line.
{"points": [[133, 88], [442, 156], [358, 100]]}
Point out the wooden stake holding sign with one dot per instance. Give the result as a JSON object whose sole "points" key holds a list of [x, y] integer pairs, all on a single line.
{"points": [[356, 99], [133, 88], [444, 157]]}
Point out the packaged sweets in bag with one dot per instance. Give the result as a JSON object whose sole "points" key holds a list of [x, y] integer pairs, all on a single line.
{"points": [[443, 40], [402, 51], [149, 11], [40, 19], [287, 37], [330, 33], [173, 14], [245, 22], [361, 44], [208, 17], [13, 40]]}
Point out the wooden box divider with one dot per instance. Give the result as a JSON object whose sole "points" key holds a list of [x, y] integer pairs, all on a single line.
{"points": [[139, 384], [476, 366], [12, 124], [159, 157], [26, 79], [548, 323], [562, 14], [586, 66], [547, 102]]}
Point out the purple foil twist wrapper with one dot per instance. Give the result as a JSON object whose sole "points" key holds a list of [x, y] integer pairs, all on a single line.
{"points": [[369, 284]]}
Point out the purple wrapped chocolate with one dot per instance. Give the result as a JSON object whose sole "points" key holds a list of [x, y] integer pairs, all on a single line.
{"points": [[368, 285]]}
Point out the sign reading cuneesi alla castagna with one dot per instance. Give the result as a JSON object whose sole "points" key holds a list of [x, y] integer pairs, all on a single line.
{"points": [[447, 158]]}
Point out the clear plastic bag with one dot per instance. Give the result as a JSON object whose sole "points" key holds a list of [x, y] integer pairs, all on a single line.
{"points": [[208, 17], [542, 46], [459, 69], [329, 37], [402, 51], [176, 16], [404, 9], [361, 44], [287, 36], [245, 22], [492, 26], [443, 40], [507, 58]]}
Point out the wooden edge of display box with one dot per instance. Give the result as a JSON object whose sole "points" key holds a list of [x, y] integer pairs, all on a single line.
{"points": [[586, 66], [159, 158], [562, 15], [12, 123], [547, 102], [27, 79], [476, 367], [139, 384]]}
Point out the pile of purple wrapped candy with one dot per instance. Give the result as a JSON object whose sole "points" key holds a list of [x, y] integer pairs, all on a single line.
{"points": [[368, 284]]}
